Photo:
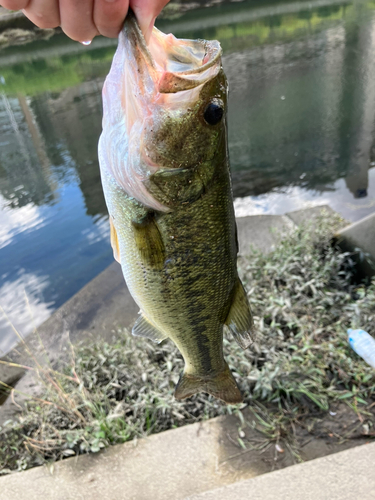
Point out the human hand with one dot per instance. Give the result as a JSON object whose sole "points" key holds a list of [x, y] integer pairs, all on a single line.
{"points": [[81, 20]]}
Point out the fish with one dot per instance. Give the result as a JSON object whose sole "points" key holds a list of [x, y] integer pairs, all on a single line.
{"points": [[165, 174]]}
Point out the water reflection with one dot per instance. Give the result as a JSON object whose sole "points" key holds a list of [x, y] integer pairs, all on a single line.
{"points": [[296, 198], [23, 177], [71, 121], [24, 301], [304, 111], [301, 132], [48, 251]]}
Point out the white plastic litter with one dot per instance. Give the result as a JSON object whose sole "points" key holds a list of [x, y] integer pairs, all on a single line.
{"points": [[363, 344]]}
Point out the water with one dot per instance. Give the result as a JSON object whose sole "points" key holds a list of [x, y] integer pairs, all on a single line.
{"points": [[301, 133]]}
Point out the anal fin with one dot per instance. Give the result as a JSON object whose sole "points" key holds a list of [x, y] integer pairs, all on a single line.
{"points": [[221, 386], [240, 320], [144, 328]]}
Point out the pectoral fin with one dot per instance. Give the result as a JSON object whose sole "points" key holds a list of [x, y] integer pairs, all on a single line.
{"points": [[239, 320], [144, 328], [149, 241], [114, 241]]}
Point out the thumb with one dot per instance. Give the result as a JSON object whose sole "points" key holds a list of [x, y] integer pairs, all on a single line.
{"points": [[146, 11]]}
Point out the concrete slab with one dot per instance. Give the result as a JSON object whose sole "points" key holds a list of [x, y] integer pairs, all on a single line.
{"points": [[262, 232], [344, 476], [309, 215], [167, 466], [361, 235]]}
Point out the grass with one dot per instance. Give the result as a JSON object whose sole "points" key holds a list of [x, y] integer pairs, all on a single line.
{"points": [[304, 297]]}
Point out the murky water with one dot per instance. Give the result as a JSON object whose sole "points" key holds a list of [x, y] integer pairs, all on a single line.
{"points": [[301, 132]]}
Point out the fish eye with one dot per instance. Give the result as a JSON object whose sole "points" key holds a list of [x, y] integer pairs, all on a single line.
{"points": [[214, 112]]}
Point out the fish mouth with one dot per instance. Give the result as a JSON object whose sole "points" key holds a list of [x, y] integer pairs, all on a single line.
{"points": [[147, 83], [173, 65], [166, 74]]}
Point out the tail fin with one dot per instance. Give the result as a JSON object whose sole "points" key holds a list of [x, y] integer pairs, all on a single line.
{"points": [[222, 386]]}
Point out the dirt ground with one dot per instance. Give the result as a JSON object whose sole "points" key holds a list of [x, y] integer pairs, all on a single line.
{"points": [[316, 435]]}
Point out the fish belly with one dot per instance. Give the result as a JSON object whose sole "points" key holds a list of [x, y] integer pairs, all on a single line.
{"points": [[186, 296]]}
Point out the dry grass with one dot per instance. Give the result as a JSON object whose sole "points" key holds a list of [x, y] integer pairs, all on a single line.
{"points": [[304, 298]]}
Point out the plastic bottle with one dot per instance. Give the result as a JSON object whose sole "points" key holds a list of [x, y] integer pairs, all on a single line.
{"points": [[363, 344]]}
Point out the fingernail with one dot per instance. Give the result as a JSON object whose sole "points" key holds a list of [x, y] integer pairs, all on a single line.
{"points": [[87, 42]]}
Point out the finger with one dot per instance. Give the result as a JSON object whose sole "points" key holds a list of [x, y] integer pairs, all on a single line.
{"points": [[109, 16], [146, 12], [43, 13], [76, 19], [14, 4]]}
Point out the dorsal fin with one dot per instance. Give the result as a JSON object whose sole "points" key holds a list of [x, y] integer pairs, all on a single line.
{"points": [[239, 320]]}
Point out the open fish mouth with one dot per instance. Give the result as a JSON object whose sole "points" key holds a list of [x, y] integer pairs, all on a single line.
{"points": [[148, 85], [173, 64], [143, 75]]}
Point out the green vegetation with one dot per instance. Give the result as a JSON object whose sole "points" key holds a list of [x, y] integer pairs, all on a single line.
{"points": [[235, 36], [304, 298], [55, 73], [277, 28]]}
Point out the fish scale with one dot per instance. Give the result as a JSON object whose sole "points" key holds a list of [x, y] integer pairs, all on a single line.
{"points": [[184, 288]]}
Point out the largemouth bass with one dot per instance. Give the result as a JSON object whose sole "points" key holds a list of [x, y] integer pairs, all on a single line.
{"points": [[165, 174]]}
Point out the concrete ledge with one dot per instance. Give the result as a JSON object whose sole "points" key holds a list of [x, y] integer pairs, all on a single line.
{"points": [[361, 235], [172, 465], [344, 476], [262, 232], [309, 215]]}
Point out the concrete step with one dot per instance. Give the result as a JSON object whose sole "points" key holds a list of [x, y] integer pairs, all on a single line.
{"points": [[264, 232], [361, 235], [189, 462], [347, 475]]}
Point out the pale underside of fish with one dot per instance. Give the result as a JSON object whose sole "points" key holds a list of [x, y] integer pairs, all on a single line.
{"points": [[165, 174]]}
